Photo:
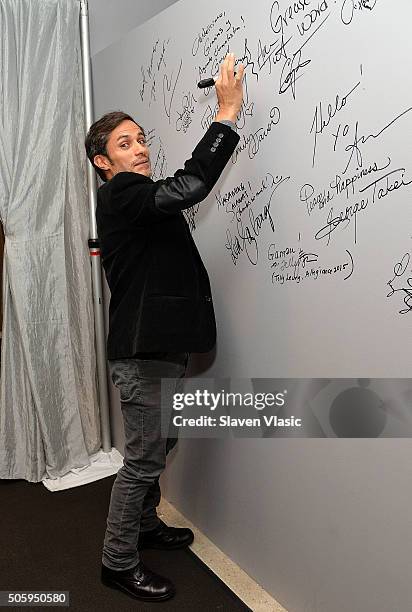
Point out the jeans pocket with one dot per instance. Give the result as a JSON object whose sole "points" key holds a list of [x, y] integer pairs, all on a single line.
{"points": [[121, 374]]}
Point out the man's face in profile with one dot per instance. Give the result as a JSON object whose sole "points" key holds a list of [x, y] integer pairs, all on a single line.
{"points": [[127, 151]]}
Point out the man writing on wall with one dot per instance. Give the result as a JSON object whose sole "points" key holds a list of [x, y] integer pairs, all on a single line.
{"points": [[160, 311]]}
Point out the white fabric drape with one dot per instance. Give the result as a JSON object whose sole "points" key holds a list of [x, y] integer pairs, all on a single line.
{"points": [[48, 412]]}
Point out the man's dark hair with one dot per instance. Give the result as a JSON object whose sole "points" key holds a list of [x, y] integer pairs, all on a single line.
{"points": [[99, 134]]}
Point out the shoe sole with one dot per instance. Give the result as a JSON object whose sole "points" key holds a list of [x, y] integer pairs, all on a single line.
{"points": [[119, 587], [155, 547]]}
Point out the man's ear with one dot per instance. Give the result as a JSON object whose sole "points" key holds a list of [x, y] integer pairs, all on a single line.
{"points": [[102, 162]]}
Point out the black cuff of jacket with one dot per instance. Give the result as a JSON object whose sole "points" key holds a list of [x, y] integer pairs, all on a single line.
{"points": [[229, 123]]}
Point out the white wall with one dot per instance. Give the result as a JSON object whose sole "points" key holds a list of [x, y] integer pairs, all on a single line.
{"points": [[324, 525], [111, 19]]}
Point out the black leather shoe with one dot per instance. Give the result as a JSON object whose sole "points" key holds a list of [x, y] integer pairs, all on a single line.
{"points": [[139, 582], [166, 538]]}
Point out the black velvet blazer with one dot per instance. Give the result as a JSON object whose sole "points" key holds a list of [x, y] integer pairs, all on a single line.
{"points": [[160, 291]]}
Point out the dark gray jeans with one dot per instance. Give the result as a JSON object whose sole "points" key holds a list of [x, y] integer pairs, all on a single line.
{"points": [[136, 490]]}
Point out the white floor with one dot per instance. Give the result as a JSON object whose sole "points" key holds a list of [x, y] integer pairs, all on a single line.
{"points": [[251, 593]]}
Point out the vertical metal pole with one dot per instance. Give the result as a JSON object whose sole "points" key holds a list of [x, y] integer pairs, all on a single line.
{"points": [[93, 241]]}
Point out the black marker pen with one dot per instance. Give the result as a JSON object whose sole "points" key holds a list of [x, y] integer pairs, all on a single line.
{"points": [[206, 83]]}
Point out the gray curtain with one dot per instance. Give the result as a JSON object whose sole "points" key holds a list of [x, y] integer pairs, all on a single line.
{"points": [[48, 412]]}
